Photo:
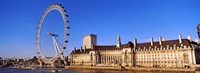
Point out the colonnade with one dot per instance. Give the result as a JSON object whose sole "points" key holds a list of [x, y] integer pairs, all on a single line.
{"points": [[110, 59]]}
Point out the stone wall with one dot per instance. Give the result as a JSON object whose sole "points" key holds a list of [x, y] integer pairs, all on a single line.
{"points": [[80, 59]]}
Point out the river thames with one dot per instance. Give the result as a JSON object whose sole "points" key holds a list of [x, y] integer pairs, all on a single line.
{"points": [[10, 70]]}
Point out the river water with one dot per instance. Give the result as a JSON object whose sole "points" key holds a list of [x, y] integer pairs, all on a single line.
{"points": [[9, 70]]}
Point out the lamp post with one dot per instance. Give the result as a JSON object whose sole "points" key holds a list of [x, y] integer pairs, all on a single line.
{"points": [[198, 30]]}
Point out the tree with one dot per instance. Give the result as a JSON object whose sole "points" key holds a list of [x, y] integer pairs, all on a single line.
{"points": [[34, 60]]}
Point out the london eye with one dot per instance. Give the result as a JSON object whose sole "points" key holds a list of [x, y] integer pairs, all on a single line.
{"points": [[59, 48]]}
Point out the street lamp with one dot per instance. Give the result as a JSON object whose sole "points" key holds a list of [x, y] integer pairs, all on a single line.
{"points": [[198, 30]]}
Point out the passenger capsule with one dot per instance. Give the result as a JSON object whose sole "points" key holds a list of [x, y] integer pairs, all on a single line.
{"points": [[67, 21], [67, 34], [64, 10], [68, 27], [67, 15], [66, 41], [64, 47]]}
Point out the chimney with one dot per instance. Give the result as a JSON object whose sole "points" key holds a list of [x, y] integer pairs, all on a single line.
{"points": [[84, 48], [135, 42], [180, 38], [74, 49], [92, 47], [81, 49], [197, 41], [160, 40], [189, 38], [151, 41]]}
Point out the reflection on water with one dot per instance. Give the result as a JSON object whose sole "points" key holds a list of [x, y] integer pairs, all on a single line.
{"points": [[8, 70]]}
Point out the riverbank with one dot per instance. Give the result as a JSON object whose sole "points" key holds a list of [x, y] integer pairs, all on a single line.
{"points": [[16, 70], [114, 68], [129, 68]]}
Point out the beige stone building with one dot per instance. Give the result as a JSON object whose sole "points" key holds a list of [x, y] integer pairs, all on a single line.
{"points": [[163, 53]]}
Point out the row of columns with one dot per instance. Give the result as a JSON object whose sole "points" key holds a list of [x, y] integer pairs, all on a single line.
{"points": [[110, 59]]}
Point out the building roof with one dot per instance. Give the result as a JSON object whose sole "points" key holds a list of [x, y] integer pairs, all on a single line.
{"points": [[113, 47], [169, 43], [81, 51], [103, 47]]}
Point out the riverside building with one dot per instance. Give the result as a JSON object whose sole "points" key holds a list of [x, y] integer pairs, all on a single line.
{"points": [[178, 53]]}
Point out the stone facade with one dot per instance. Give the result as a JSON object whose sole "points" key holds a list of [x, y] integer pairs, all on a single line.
{"points": [[162, 53]]}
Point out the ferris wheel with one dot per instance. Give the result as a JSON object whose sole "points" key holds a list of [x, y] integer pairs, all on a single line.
{"points": [[58, 47]]}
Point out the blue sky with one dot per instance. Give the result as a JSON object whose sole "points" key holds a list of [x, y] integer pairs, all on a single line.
{"points": [[141, 19]]}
